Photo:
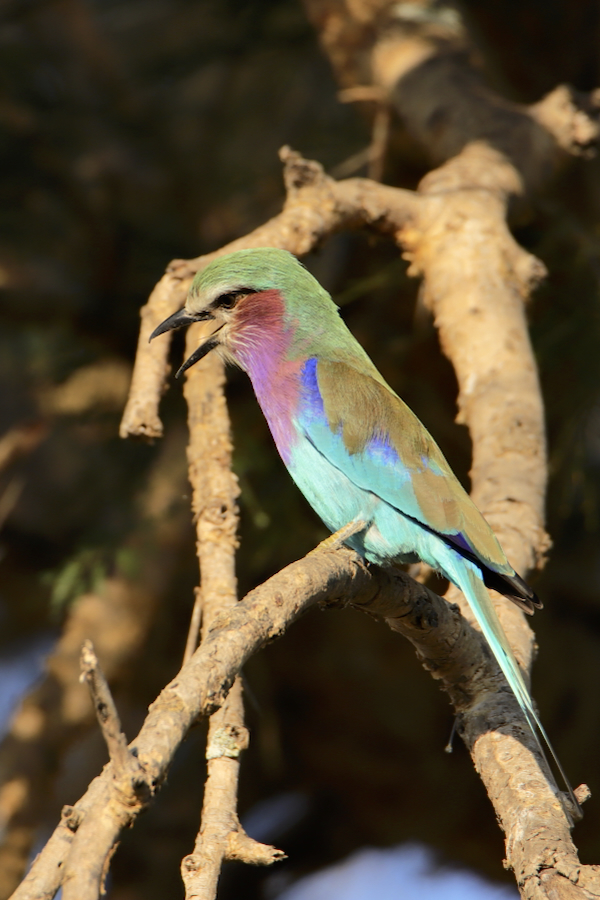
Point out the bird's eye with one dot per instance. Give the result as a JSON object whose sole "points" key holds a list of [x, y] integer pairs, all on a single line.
{"points": [[228, 301]]}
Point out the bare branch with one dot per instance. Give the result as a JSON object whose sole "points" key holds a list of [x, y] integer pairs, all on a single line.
{"points": [[494, 155], [199, 689], [194, 629], [446, 643], [214, 494], [87, 865], [106, 711], [56, 712], [215, 491], [244, 849], [316, 207]]}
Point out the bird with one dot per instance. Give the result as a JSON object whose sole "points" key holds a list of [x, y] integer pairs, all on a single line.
{"points": [[361, 457]]}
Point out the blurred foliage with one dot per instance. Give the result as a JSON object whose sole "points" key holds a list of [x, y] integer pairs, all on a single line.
{"points": [[134, 131], [81, 573]]}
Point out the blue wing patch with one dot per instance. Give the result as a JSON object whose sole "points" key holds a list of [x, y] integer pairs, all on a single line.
{"points": [[379, 470]]}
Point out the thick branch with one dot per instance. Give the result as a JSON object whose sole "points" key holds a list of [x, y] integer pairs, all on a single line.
{"points": [[214, 494], [476, 279], [316, 207], [495, 155], [199, 689], [447, 645], [57, 711]]}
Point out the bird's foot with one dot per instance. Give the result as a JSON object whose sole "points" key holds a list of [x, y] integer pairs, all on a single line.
{"points": [[335, 541]]}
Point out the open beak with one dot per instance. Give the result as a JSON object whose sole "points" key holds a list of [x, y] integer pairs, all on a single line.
{"points": [[198, 354], [178, 320]]}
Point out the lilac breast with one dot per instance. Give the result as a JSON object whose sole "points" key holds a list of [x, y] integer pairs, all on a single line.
{"points": [[261, 342]]}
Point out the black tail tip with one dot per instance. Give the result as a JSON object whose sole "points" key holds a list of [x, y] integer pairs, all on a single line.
{"points": [[514, 588]]}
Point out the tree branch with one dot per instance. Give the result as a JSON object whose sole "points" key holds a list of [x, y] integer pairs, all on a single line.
{"points": [[200, 688], [494, 154], [446, 644], [106, 711], [476, 279], [84, 875], [117, 617], [215, 491], [316, 207]]}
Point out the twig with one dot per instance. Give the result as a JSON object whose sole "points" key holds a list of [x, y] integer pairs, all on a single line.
{"points": [[21, 440], [316, 207], [214, 495], [374, 154], [445, 642], [117, 618], [449, 235], [194, 629], [379, 142], [83, 881], [10, 497], [106, 711], [361, 93], [16, 442], [94, 843]]}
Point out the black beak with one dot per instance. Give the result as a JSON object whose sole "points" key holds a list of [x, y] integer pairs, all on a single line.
{"points": [[178, 320], [198, 354]]}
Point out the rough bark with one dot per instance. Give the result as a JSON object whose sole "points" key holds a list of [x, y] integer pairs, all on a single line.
{"points": [[214, 494], [476, 281], [57, 712], [446, 644], [491, 156]]}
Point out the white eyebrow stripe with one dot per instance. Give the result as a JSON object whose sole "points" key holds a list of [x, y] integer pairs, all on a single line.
{"points": [[228, 287]]}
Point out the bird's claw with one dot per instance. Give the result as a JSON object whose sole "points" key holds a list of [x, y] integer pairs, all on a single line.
{"points": [[335, 541]]}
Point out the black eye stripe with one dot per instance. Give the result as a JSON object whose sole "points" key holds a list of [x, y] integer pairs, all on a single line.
{"points": [[228, 301]]}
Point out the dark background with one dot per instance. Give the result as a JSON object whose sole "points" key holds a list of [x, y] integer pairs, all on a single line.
{"points": [[135, 131]]}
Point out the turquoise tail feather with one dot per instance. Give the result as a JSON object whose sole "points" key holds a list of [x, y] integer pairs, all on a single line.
{"points": [[470, 582]]}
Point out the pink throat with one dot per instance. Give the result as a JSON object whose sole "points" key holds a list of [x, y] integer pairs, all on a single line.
{"points": [[260, 342]]}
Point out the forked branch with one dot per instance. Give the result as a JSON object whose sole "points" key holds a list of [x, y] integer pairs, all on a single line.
{"points": [[476, 281]]}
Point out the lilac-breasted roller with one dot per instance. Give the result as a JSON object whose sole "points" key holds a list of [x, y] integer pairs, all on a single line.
{"points": [[358, 454]]}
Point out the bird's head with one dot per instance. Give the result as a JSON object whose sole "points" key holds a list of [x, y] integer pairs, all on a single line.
{"points": [[252, 295]]}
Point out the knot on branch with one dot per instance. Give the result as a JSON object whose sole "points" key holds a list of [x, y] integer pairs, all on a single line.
{"points": [[237, 846], [573, 119], [245, 849], [228, 741], [529, 270], [71, 817], [299, 172], [582, 793], [220, 511]]}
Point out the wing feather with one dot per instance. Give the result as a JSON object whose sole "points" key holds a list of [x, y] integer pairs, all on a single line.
{"points": [[372, 436]]}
